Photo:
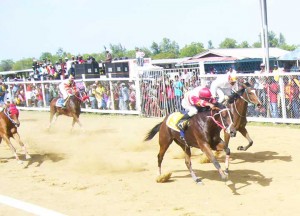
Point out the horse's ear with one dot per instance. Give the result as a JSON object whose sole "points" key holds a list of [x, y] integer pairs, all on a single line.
{"points": [[247, 84]]}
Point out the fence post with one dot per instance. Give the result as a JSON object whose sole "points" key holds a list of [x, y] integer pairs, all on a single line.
{"points": [[25, 91], [138, 94], [43, 91], [282, 96]]}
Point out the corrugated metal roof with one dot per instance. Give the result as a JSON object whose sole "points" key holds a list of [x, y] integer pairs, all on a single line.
{"points": [[214, 59], [292, 55], [168, 61], [243, 53]]}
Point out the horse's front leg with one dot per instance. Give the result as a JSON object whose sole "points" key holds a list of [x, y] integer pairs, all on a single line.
{"points": [[227, 158], [16, 136], [12, 148], [207, 150], [245, 133], [53, 119], [76, 120]]}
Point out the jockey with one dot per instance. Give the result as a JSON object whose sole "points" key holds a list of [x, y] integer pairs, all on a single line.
{"points": [[197, 97], [67, 88], [223, 86]]}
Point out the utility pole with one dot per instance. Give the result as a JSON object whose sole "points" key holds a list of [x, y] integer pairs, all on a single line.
{"points": [[264, 33]]}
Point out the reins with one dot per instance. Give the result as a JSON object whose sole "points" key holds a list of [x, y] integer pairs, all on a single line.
{"points": [[247, 101], [222, 123], [8, 116]]}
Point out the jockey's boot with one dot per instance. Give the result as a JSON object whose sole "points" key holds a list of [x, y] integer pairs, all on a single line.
{"points": [[64, 104], [180, 123]]}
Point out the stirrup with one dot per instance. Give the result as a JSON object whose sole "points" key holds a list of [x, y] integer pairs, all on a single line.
{"points": [[180, 125]]}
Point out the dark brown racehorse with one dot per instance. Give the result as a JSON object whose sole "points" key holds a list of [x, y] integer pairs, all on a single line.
{"points": [[8, 129], [72, 109], [238, 104], [203, 132]]}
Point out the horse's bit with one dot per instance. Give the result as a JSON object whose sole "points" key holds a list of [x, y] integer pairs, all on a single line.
{"points": [[222, 124]]}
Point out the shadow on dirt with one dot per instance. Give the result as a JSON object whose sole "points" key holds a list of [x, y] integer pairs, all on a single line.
{"points": [[38, 159], [238, 179], [258, 157]]}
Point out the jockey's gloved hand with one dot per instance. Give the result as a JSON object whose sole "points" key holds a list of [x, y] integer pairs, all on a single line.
{"points": [[226, 97]]}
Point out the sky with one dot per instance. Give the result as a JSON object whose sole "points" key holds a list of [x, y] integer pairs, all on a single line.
{"points": [[30, 27]]}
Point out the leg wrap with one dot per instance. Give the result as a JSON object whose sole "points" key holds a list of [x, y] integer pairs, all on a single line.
{"points": [[227, 150], [216, 164]]}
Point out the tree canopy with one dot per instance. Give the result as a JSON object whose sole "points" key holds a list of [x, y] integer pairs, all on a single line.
{"points": [[165, 49]]}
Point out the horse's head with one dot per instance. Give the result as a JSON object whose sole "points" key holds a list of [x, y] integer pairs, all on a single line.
{"points": [[13, 114], [223, 118], [247, 94], [250, 95]]}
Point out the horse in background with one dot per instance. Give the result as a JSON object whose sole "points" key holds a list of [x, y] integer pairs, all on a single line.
{"points": [[9, 122], [238, 105], [72, 108], [203, 132]]}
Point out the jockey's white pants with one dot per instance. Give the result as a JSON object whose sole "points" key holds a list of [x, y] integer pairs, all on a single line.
{"points": [[191, 109], [63, 91], [221, 92]]}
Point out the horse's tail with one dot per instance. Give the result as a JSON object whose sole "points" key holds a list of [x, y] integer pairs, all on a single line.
{"points": [[152, 132]]}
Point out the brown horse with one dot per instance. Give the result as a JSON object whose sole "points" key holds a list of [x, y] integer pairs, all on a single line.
{"points": [[72, 109], [238, 104], [203, 132], [8, 129]]}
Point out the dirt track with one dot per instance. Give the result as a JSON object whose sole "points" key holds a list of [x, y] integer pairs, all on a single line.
{"points": [[109, 170]]}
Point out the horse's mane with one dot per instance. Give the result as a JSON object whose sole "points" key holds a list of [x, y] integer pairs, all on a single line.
{"points": [[235, 95]]}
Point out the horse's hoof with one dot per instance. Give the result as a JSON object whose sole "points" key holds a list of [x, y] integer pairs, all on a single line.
{"points": [[20, 162], [199, 181], [241, 148], [28, 157]]}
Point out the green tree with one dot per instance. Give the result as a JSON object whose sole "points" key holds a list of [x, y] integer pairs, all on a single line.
{"points": [[60, 52], [117, 50], [46, 55], [155, 48], [228, 43], [164, 55], [210, 45], [288, 47], [168, 46], [6, 65], [256, 44], [244, 44], [191, 49], [23, 64], [281, 39]]}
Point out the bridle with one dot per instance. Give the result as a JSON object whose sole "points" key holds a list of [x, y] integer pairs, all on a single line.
{"points": [[6, 112], [222, 123], [247, 100]]}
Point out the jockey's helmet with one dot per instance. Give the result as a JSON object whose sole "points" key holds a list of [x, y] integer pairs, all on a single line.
{"points": [[205, 93], [232, 78], [71, 79]]}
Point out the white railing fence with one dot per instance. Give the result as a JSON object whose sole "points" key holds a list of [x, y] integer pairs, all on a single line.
{"points": [[158, 93]]}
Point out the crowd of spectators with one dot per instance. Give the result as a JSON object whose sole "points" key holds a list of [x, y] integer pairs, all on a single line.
{"points": [[159, 95], [61, 69]]}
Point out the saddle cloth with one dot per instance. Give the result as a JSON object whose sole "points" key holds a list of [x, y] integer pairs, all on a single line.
{"points": [[173, 119], [59, 102]]}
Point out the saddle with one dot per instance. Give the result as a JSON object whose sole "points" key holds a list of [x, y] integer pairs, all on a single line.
{"points": [[173, 119], [59, 102]]}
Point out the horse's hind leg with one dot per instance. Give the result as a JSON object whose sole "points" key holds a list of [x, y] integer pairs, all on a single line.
{"points": [[53, 117], [245, 133], [18, 139], [76, 120], [164, 144]]}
